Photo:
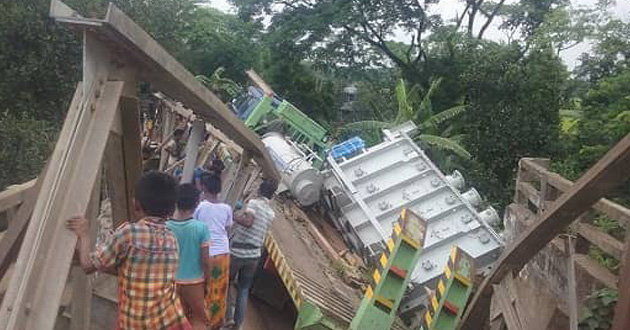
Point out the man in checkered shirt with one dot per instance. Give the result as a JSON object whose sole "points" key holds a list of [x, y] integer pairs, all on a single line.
{"points": [[144, 255]]}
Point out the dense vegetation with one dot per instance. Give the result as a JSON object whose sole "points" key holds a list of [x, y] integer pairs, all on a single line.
{"points": [[481, 104]]}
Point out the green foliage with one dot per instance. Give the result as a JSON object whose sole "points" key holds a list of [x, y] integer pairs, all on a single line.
{"points": [[601, 121], [217, 40], [419, 111], [226, 88], [25, 144], [599, 310], [513, 105]]}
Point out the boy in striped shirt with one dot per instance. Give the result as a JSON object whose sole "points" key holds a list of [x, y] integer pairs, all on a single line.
{"points": [[245, 247]]}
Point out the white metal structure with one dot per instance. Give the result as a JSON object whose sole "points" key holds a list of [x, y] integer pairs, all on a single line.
{"points": [[369, 190], [298, 175]]}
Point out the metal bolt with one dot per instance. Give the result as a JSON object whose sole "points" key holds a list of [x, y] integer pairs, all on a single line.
{"points": [[92, 107], [435, 182], [484, 239], [97, 93]]}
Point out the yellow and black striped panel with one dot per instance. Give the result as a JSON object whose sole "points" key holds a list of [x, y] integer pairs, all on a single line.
{"points": [[455, 267], [284, 270], [461, 265]]}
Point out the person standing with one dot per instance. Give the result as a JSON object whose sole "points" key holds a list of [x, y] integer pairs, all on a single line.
{"points": [[175, 148], [144, 255], [193, 239], [250, 230], [218, 218]]}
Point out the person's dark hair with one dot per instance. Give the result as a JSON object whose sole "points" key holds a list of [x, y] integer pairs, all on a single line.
{"points": [[157, 193], [217, 167], [187, 197], [268, 188], [211, 183], [179, 131]]}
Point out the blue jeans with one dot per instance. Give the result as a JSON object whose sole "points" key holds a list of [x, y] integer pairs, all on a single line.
{"points": [[242, 273]]}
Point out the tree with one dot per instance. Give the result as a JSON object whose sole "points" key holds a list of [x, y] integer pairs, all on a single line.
{"points": [[513, 104], [421, 112], [40, 65], [218, 40], [358, 32]]}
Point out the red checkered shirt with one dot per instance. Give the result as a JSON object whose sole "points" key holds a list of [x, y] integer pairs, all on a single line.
{"points": [[145, 254]]}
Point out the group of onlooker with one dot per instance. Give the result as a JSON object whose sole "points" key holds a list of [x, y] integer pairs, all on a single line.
{"points": [[176, 264]]}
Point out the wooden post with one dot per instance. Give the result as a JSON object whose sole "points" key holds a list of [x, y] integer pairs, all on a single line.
{"points": [[167, 130], [572, 296], [32, 301], [192, 150], [242, 176], [82, 282], [622, 309]]}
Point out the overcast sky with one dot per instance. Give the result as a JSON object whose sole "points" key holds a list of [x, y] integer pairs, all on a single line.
{"points": [[449, 8]]}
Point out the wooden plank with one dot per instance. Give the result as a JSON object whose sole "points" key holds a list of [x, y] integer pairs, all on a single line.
{"points": [[571, 285], [189, 114], [116, 182], [604, 241], [622, 309], [82, 282], [259, 82], [14, 195], [42, 266], [242, 176], [167, 133], [610, 208], [12, 238], [131, 145], [608, 173], [192, 150], [168, 75], [507, 309], [595, 270]]}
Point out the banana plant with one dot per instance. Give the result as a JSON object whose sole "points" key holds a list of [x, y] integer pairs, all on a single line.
{"points": [[428, 122], [219, 84]]}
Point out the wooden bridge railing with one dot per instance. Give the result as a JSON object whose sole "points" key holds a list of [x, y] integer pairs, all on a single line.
{"points": [[537, 187]]}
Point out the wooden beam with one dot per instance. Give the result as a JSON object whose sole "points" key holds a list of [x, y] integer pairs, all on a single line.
{"points": [[589, 232], [610, 208], [43, 263], [622, 309], [131, 145], [259, 82], [603, 241], [509, 312], [608, 173], [116, 182], [12, 238], [192, 150], [168, 123], [169, 76], [14, 195], [242, 176], [81, 282]]}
